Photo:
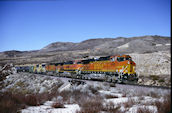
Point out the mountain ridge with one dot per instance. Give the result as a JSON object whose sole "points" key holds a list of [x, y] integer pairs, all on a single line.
{"points": [[63, 51]]}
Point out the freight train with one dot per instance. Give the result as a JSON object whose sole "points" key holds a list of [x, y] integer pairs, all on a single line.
{"points": [[117, 68]]}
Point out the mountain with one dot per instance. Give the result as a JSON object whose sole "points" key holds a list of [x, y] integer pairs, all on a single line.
{"points": [[63, 51], [133, 44]]}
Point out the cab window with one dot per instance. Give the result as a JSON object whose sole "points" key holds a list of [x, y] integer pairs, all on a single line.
{"points": [[128, 59], [112, 59], [78, 62], [120, 59]]}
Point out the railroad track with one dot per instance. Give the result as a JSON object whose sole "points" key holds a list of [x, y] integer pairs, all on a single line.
{"points": [[148, 86], [129, 84]]}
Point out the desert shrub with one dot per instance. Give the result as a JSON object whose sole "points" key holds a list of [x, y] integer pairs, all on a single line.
{"points": [[130, 103], [143, 110], [66, 95], [112, 85], [75, 96], [31, 100], [141, 98], [124, 95], [91, 106], [8, 106], [154, 77], [20, 84], [58, 105], [153, 94], [108, 96], [165, 106], [93, 90], [11, 103], [161, 80], [110, 108]]}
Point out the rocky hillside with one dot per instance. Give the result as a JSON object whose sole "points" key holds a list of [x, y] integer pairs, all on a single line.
{"points": [[115, 45]]}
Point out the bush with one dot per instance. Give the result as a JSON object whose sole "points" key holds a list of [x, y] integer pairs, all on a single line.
{"points": [[31, 100], [110, 107], [153, 94], [143, 110], [58, 105], [93, 90], [165, 106], [161, 80], [92, 106], [154, 77], [11, 103], [110, 96], [129, 103]]}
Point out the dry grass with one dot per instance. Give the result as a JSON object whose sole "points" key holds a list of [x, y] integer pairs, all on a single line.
{"points": [[143, 110], [130, 103], [87, 102], [153, 94], [112, 85], [31, 100], [124, 95], [94, 90], [75, 96], [13, 102], [154, 77], [165, 106], [91, 106], [58, 105], [110, 108]]}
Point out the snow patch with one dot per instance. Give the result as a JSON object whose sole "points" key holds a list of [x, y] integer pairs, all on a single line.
{"points": [[167, 44], [65, 86], [46, 108], [124, 46], [135, 108], [158, 44], [110, 93]]}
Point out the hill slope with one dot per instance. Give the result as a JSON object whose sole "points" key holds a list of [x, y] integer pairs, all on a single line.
{"points": [[62, 51]]}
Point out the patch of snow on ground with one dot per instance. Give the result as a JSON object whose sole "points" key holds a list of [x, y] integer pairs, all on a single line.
{"points": [[134, 109], [158, 44], [120, 100], [46, 108], [65, 86], [103, 92], [33, 83], [168, 44]]}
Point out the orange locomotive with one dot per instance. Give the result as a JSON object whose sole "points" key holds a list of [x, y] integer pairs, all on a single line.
{"points": [[118, 68]]}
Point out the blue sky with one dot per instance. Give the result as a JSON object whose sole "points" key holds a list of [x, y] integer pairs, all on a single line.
{"points": [[31, 25]]}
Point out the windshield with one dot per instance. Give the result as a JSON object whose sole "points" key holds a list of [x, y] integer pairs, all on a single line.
{"points": [[120, 59], [128, 59]]}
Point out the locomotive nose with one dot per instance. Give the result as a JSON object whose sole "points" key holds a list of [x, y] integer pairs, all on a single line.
{"points": [[131, 62], [131, 66]]}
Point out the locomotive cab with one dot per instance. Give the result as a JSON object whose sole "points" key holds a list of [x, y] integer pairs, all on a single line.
{"points": [[125, 68]]}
